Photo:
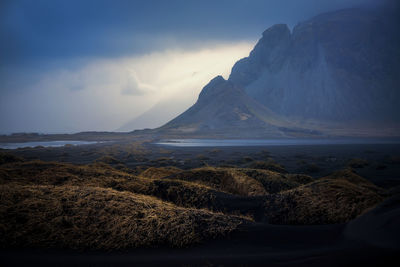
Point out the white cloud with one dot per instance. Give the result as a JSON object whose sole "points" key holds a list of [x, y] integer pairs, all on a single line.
{"points": [[106, 93], [133, 86]]}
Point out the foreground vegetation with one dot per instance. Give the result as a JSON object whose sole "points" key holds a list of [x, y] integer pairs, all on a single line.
{"points": [[97, 206]]}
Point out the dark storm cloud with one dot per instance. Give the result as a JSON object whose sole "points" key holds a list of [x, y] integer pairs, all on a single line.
{"points": [[49, 29]]}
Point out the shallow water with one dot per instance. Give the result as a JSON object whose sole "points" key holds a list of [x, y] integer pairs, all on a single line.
{"points": [[45, 144], [269, 142]]}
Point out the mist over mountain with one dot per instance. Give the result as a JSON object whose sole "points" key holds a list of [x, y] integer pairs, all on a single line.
{"points": [[337, 73], [156, 115]]}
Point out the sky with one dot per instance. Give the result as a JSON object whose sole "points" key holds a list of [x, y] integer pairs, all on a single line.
{"points": [[97, 65]]}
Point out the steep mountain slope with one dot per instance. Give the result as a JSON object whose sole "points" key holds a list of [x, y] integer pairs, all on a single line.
{"points": [[342, 66], [225, 109]]}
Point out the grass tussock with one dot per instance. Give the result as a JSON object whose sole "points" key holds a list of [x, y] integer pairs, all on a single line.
{"points": [[96, 206], [99, 218], [335, 199], [352, 177], [267, 165], [223, 179], [160, 172], [109, 160], [274, 182], [180, 192]]}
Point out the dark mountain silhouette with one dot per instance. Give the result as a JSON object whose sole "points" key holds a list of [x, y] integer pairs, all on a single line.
{"points": [[340, 66], [336, 74]]}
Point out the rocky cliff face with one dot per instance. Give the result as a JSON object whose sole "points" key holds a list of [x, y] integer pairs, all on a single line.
{"points": [[341, 66], [338, 73]]}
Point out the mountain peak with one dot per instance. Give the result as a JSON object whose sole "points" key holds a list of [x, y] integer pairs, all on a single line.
{"points": [[213, 87], [270, 52], [277, 29], [217, 80]]}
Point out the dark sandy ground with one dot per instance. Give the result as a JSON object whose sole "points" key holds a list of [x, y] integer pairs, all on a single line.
{"points": [[370, 240], [255, 245]]}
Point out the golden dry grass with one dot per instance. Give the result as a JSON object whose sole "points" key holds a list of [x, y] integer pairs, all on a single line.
{"points": [[267, 165], [160, 172], [96, 206], [99, 218], [181, 193], [223, 179], [352, 177], [275, 182], [336, 199]]}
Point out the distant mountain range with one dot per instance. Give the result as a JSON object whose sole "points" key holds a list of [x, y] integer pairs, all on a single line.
{"points": [[335, 74]]}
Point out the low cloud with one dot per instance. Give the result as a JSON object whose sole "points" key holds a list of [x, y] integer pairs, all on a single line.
{"points": [[132, 86], [104, 94]]}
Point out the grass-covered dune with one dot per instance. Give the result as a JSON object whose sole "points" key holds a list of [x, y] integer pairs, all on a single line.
{"points": [[52, 204], [334, 199], [181, 193], [160, 172], [227, 180], [82, 217]]}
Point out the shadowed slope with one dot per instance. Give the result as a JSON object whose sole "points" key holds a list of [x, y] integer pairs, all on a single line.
{"points": [[340, 66], [380, 226], [224, 109]]}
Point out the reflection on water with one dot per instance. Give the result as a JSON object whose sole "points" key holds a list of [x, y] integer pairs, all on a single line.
{"points": [[269, 142], [45, 144]]}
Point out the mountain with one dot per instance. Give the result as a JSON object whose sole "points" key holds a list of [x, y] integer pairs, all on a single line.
{"points": [[341, 66], [335, 74], [224, 109]]}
